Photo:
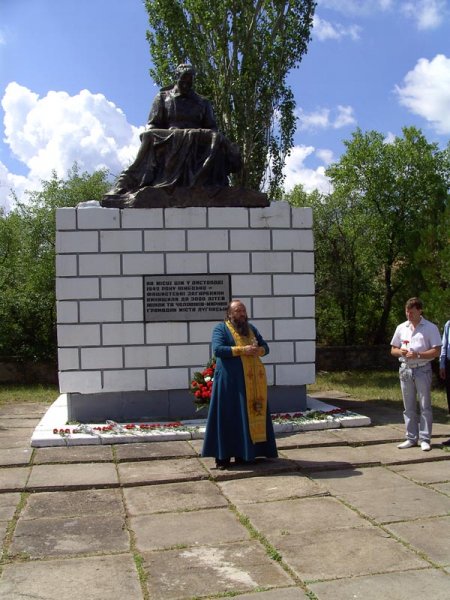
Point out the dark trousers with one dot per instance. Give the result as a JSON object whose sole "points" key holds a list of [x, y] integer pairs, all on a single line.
{"points": [[447, 382]]}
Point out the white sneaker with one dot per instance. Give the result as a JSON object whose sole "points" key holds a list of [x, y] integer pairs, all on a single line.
{"points": [[425, 446], [406, 444]]}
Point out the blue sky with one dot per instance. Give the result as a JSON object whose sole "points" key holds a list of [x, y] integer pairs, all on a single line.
{"points": [[74, 83]]}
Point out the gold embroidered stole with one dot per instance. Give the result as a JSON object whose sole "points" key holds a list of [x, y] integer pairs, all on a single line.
{"points": [[255, 386]]}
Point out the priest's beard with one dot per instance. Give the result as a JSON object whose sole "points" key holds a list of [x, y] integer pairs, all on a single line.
{"points": [[241, 326]]}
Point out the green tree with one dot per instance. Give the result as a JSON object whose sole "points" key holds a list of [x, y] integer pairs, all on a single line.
{"points": [[381, 236], [27, 263], [243, 51]]}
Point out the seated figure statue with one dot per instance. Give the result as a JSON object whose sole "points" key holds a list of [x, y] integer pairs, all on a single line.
{"points": [[181, 146]]}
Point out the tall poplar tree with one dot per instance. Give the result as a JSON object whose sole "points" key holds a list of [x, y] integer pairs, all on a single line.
{"points": [[243, 51]]}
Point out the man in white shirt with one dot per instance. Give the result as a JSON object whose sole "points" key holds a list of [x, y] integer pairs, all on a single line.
{"points": [[416, 342]]}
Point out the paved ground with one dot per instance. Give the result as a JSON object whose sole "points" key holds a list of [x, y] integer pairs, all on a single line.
{"points": [[341, 515]]}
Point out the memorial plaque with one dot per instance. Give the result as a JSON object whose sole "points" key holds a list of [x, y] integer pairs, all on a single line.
{"points": [[186, 297]]}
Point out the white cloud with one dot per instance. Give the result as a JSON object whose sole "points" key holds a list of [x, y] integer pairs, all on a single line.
{"points": [[428, 14], [356, 7], [324, 30], [426, 92], [296, 172], [324, 118], [51, 133]]}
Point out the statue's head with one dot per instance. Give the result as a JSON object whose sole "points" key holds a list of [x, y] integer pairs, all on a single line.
{"points": [[184, 75]]}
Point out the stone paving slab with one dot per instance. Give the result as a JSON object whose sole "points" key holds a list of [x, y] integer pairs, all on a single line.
{"points": [[312, 439], [429, 536], [441, 429], [13, 422], [41, 538], [357, 480], [159, 471], [15, 457], [429, 583], [13, 479], [73, 504], [284, 519], [346, 456], [442, 487], [435, 472], [145, 451], [75, 476], [197, 528], [269, 488], [368, 435], [93, 578], [353, 552], [11, 440], [398, 504], [73, 454], [8, 503], [276, 594], [33, 410], [339, 457], [262, 466], [183, 574], [170, 497]]}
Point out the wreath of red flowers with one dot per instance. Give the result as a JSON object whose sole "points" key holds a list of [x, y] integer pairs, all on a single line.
{"points": [[202, 383]]}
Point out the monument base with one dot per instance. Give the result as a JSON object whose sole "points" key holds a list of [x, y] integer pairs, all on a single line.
{"points": [[172, 405]]}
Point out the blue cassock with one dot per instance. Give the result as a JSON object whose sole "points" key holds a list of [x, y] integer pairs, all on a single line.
{"points": [[227, 432]]}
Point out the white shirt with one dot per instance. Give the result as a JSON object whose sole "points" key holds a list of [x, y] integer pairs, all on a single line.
{"points": [[424, 337]]}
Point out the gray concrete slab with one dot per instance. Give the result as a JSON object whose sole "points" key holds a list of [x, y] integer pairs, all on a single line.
{"points": [[398, 504], [15, 457], [149, 450], [269, 488], [8, 504], [262, 466], [197, 528], [444, 488], [312, 439], [358, 479], [294, 593], [428, 536], [171, 497], [429, 583], [13, 479], [78, 476], [11, 440], [350, 552], [209, 570], [73, 454], [92, 578], [369, 435], [39, 538], [159, 471], [346, 456], [30, 410], [441, 429], [339, 457], [3, 530], [73, 504], [434, 472], [13, 422], [284, 519]]}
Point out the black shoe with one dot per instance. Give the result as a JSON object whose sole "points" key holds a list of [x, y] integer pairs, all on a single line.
{"points": [[239, 461], [446, 443], [222, 463]]}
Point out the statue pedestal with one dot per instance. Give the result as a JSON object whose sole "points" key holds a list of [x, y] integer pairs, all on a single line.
{"points": [[114, 365]]}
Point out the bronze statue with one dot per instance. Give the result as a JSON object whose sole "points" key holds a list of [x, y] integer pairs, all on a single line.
{"points": [[182, 153]]}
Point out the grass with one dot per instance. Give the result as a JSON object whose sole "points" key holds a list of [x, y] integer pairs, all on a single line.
{"points": [[381, 388], [10, 393]]}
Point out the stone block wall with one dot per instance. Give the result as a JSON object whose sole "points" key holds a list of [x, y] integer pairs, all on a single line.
{"points": [[104, 345]]}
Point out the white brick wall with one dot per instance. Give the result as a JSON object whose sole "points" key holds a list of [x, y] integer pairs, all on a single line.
{"points": [[103, 254]]}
